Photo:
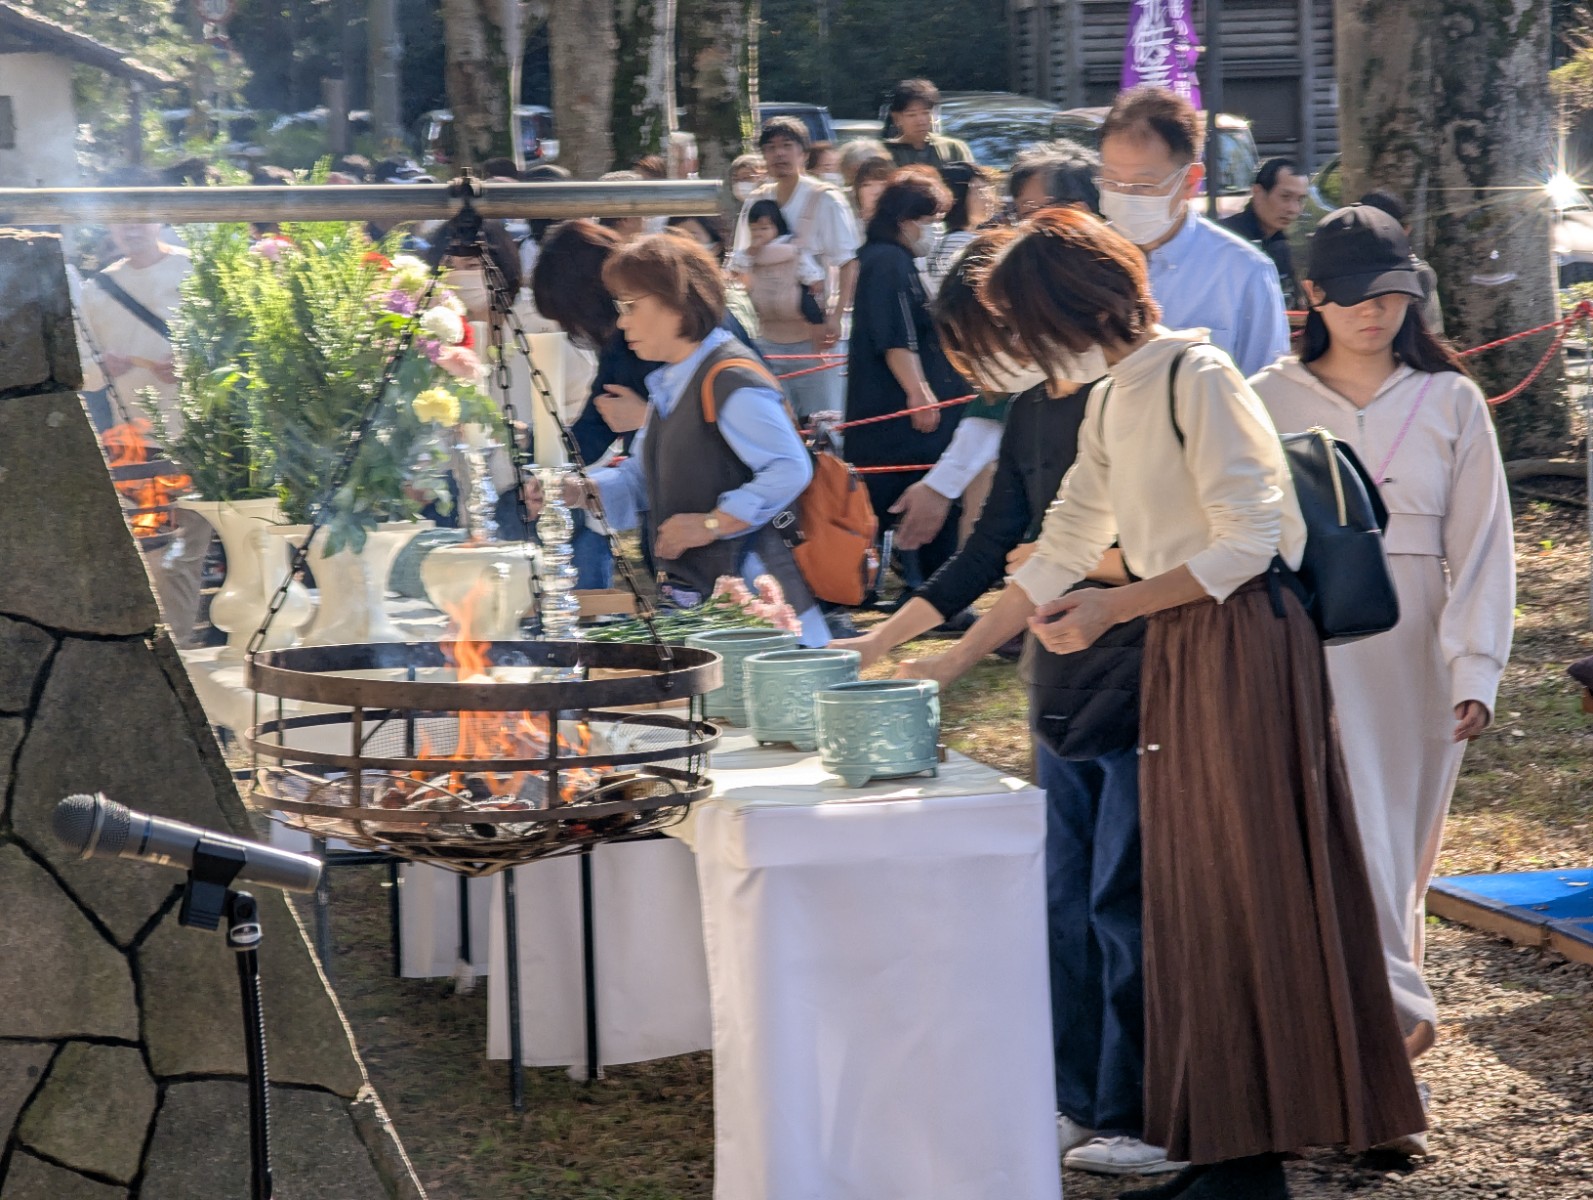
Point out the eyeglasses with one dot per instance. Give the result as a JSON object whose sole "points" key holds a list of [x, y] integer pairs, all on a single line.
{"points": [[625, 306], [1141, 189]]}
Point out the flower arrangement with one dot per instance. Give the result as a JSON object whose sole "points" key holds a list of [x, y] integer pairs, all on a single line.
{"points": [[731, 605], [280, 343]]}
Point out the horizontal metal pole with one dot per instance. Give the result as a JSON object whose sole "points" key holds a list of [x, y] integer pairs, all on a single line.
{"points": [[379, 202]]}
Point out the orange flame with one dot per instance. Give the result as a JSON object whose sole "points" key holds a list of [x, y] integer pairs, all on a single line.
{"points": [[127, 445], [489, 735]]}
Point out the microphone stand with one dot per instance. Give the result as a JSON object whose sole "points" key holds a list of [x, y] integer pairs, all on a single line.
{"points": [[207, 897]]}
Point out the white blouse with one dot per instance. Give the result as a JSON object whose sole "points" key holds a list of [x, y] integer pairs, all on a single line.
{"points": [[1446, 494], [1222, 503]]}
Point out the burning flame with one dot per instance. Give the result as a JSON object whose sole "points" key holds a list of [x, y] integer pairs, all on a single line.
{"points": [[504, 735], [127, 445]]}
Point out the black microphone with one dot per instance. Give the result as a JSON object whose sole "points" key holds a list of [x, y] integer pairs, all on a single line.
{"points": [[92, 826]]}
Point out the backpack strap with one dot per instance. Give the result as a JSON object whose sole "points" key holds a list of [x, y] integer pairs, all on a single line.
{"points": [[1172, 395], [710, 406]]}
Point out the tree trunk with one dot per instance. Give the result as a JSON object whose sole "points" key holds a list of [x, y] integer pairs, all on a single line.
{"points": [[478, 36], [719, 57], [643, 79], [1446, 103], [581, 47], [387, 52]]}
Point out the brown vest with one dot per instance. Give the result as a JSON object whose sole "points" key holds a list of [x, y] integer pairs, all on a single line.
{"points": [[689, 465]]}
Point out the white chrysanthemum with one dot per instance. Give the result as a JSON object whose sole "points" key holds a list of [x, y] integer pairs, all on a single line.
{"points": [[443, 324]]}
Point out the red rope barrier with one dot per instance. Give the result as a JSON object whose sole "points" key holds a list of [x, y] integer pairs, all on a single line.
{"points": [[905, 412], [810, 370], [887, 470], [1532, 375], [1581, 312]]}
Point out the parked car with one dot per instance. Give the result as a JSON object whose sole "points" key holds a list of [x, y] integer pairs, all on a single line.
{"points": [[1237, 157], [434, 135], [821, 128], [848, 129], [998, 126]]}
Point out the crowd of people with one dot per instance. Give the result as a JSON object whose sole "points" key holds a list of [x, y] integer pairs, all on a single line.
{"points": [[1241, 824]]}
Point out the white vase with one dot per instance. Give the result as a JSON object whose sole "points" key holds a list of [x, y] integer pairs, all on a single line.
{"points": [[485, 589], [353, 585], [257, 562]]}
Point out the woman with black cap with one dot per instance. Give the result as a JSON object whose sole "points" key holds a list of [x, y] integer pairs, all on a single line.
{"points": [[1408, 700]]}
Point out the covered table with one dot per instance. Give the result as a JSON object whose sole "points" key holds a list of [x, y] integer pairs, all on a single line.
{"points": [[881, 999]]}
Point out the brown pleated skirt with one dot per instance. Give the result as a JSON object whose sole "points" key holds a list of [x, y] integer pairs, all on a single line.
{"points": [[1268, 1019]]}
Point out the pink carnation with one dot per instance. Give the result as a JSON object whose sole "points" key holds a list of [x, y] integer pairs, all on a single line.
{"points": [[769, 590], [460, 362]]}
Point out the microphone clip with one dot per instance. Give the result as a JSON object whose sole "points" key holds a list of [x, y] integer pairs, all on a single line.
{"points": [[209, 886]]}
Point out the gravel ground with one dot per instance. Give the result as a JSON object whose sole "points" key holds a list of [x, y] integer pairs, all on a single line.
{"points": [[1512, 1081]]}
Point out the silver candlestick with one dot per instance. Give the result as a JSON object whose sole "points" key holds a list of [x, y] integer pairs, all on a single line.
{"points": [[480, 508], [561, 608]]}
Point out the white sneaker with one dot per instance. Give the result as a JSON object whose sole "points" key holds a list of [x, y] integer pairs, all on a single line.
{"points": [[1412, 1143], [1120, 1156], [1070, 1133]]}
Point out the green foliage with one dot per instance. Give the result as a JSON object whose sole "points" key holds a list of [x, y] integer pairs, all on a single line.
{"points": [[279, 361], [961, 44], [221, 444]]}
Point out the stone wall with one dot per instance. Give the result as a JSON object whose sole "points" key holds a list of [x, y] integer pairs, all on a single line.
{"points": [[121, 1050]]}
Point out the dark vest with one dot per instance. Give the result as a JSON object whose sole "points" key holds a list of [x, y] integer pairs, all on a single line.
{"points": [[689, 465]]}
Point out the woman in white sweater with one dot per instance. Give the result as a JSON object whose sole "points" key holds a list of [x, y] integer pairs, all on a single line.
{"points": [[1269, 1024], [1408, 700]]}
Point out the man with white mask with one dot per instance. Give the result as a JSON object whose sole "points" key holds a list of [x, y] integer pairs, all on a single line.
{"points": [[1201, 275]]}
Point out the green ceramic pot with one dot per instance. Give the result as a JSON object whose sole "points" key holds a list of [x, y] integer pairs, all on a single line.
{"points": [[735, 646], [779, 687], [879, 729]]}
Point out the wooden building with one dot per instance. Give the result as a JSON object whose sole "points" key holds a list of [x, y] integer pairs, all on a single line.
{"points": [[38, 119], [1277, 64]]}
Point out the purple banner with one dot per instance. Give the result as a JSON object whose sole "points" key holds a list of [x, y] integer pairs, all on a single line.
{"points": [[1162, 48]]}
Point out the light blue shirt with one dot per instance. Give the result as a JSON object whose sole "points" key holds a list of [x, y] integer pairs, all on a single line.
{"points": [[759, 431], [755, 425], [1209, 278]]}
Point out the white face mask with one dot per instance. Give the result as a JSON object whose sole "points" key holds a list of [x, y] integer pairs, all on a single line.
{"points": [[743, 189], [1003, 375], [1145, 219], [833, 178], [923, 243], [1077, 366]]}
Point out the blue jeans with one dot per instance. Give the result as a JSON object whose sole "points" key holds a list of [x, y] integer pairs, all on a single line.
{"points": [[594, 557], [1093, 900]]}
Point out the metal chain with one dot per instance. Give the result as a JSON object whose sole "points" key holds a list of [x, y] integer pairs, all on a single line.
{"points": [[594, 506], [345, 466]]}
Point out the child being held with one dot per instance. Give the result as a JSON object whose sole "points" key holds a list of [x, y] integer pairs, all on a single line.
{"points": [[784, 281]]}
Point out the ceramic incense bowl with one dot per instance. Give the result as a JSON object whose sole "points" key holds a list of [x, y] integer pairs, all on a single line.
{"points": [[779, 688], [879, 728], [735, 646]]}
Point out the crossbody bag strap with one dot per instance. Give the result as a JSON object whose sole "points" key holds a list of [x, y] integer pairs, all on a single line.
{"points": [[1172, 389], [1410, 418], [119, 294]]}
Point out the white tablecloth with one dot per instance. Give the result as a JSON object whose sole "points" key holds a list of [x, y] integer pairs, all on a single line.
{"points": [[877, 958], [652, 976]]}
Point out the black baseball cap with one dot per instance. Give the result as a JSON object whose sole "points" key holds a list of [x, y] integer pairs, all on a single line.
{"points": [[1360, 252]]}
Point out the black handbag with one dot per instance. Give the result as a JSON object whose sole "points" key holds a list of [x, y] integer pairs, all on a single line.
{"points": [[1344, 580], [812, 310], [1086, 704]]}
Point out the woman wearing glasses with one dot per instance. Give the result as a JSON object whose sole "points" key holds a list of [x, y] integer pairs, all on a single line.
{"points": [[718, 456]]}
